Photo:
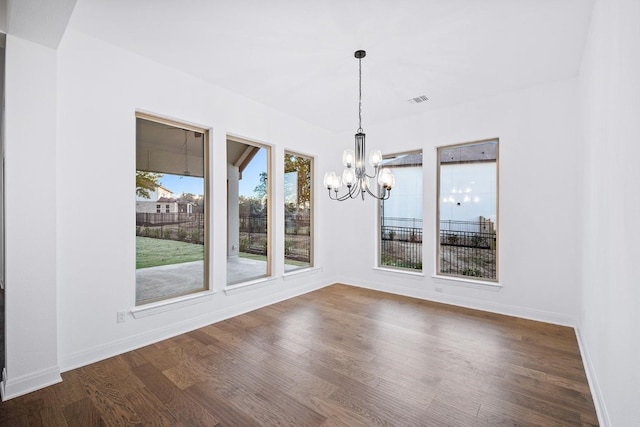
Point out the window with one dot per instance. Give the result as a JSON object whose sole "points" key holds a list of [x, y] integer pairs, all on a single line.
{"points": [[298, 210], [171, 247], [468, 210], [248, 210], [400, 219]]}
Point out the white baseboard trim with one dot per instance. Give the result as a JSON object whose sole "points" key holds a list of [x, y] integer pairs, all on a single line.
{"points": [[594, 386], [110, 349], [508, 310], [14, 387]]}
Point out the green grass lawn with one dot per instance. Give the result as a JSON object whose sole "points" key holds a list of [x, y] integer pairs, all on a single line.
{"points": [[252, 256], [153, 252]]}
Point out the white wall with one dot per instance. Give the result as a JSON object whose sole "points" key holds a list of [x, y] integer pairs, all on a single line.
{"points": [[89, 253], [608, 328], [539, 223], [100, 89], [30, 206]]}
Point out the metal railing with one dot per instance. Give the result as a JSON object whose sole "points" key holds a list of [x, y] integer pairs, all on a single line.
{"points": [[297, 239], [253, 234], [467, 248], [150, 219], [401, 242], [185, 227]]}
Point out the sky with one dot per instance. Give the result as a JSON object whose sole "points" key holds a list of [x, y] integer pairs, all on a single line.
{"points": [[188, 184], [183, 184], [251, 175]]}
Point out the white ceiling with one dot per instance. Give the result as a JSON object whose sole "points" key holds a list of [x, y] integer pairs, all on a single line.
{"points": [[40, 21], [297, 56]]}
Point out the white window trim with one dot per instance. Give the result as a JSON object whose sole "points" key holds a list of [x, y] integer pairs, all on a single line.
{"points": [[466, 283], [163, 306], [460, 280]]}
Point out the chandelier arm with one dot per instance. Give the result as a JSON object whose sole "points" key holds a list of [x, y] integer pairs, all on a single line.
{"points": [[375, 195], [351, 194]]}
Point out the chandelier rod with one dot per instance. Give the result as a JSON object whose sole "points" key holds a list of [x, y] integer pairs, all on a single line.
{"points": [[360, 56]]}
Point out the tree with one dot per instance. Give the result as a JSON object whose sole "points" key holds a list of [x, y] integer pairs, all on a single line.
{"points": [[146, 182], [261, 189], [302, 166], [188, 198], [249, 206]]}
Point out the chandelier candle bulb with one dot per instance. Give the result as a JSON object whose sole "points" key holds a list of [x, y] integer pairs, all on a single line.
{"points": [[348, 177], [329, 178], [347, 158], [375, 158], [386, 179]]}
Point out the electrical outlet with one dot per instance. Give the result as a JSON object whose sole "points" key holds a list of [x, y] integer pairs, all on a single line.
{"points": [[121, 316]]}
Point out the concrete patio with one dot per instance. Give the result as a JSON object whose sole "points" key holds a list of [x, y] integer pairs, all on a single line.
{"points": [[180, 279]]}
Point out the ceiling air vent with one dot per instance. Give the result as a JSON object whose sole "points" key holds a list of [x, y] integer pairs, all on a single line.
{"points": [[418, 99]]}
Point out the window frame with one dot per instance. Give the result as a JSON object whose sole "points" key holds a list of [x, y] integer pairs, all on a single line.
{"points": [[206, 141], [379, 224], [229, 286], [437, 240]]}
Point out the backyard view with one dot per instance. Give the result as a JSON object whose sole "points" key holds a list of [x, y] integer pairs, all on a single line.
{"points": [[467, 212], [151, 252], [467, 248], [401, 215], [253, 214], [467, 209], [170, 211], [172, 235]]}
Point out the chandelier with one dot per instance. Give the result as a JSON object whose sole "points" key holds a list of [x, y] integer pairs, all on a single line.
{"points": [[355, 176]]}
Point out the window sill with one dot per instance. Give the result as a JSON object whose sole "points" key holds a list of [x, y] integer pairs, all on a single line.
{"points": [[301, 272], [418, 275], [467, 283], [172, 304], [246, 286]]}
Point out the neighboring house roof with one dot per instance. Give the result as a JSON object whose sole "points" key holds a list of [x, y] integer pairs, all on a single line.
{"points": [[167, 200], [411, 159], [483, 151]]}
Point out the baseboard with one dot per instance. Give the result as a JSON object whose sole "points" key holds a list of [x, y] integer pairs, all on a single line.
{"points": [[491, 307], [4, 381], [14, 387], [594, 386], [104, 351]]}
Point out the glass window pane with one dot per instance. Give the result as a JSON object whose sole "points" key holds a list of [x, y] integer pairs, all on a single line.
{"points": [[171, 224], [248, 205], [298, 172], [467, 210], [400, 237]]}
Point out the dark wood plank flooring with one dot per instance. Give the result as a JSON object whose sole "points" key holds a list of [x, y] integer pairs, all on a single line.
{"points": [[340, 356]]}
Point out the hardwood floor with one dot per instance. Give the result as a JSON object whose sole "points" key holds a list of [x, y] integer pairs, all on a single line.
{"points": [[340, 356]]}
